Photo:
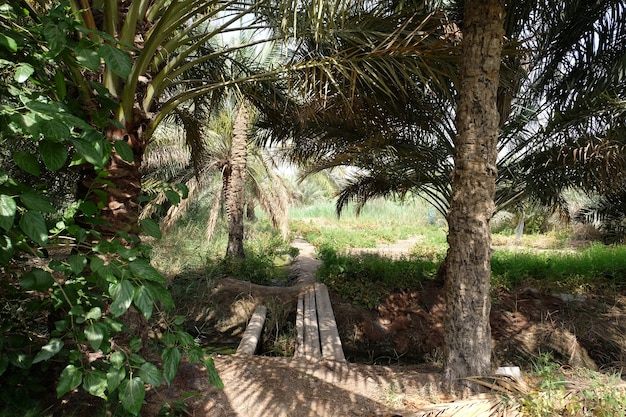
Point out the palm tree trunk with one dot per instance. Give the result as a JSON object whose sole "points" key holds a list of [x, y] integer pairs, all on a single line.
{"points": [[117, 194], [467, 348], [235, 189]]}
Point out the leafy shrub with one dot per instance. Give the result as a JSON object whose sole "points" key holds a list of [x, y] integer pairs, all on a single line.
{"points": [[72, 301]]}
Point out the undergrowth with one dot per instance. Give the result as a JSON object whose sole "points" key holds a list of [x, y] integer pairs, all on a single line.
{"points": [[379, 222], [598, 268], [368, 279], [577, 392]]}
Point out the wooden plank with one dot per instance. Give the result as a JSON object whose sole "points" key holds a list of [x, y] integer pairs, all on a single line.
{"points": [[312, 348], [329, 334], [252, 335], [300, 327]]}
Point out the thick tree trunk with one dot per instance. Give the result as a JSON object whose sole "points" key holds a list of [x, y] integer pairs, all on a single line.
{"points": [[117, 194], [235, 190], [467, 274]]}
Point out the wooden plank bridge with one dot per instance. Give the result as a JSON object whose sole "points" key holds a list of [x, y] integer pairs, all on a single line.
{"points": [[317, 336]]}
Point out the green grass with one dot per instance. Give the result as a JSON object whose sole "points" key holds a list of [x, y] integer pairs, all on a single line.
{"points": [[594, 269], [379, 222], [367, 280], [542, 261]]}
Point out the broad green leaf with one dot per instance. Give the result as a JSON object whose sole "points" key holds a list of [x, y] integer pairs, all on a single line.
{"points": [[23, 72], [28, 162], [144, 301], [135, 359], [95, 335], [54, 155], [132, 394], [117, 60], [114, 377], [8, 207], [185, 339], [150, 374], [77, 310], [56, 37], [124, 150], [56, 130], [128, 254], [94, 314], [29, 123], [117, 359], [37, 279], [70, 379], [214, 377], [142, 269], [171, 359], [183, 189], [86, 55], [20, 360], [36, 202], [151, 228], [33, 224], [44, 108], [161, 294], [136, 344], [95, 383], [168, 339], [122, 294], [6, 249], [89, 208], [53, 347], [91, 151], [8, 42], [96, 264], [173, 197], [195, 354], [78, 263]]}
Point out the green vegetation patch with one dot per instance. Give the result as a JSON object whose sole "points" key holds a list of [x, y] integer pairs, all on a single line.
{"points": [[379, 222], [368, 279], [594, 269]]}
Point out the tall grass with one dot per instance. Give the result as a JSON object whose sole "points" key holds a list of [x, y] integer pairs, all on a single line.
{"points": [[596, 268], [366, 280], [379, 222], [184, 251]]}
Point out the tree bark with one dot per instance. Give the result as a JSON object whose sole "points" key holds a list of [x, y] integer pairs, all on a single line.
{"points": [[117, 194], [467, 349], [235, 189]]}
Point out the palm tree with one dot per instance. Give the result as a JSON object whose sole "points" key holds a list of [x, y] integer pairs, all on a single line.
{"points": [[419, 158], [391, 163], [167, 161], [234, 182], [467, 265], [148, 49]]}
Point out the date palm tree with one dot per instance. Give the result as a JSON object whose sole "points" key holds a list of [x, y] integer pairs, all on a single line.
{"points": [[467, 334], [135, 59], [387, 146], [531, 141], [168, 161]]}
